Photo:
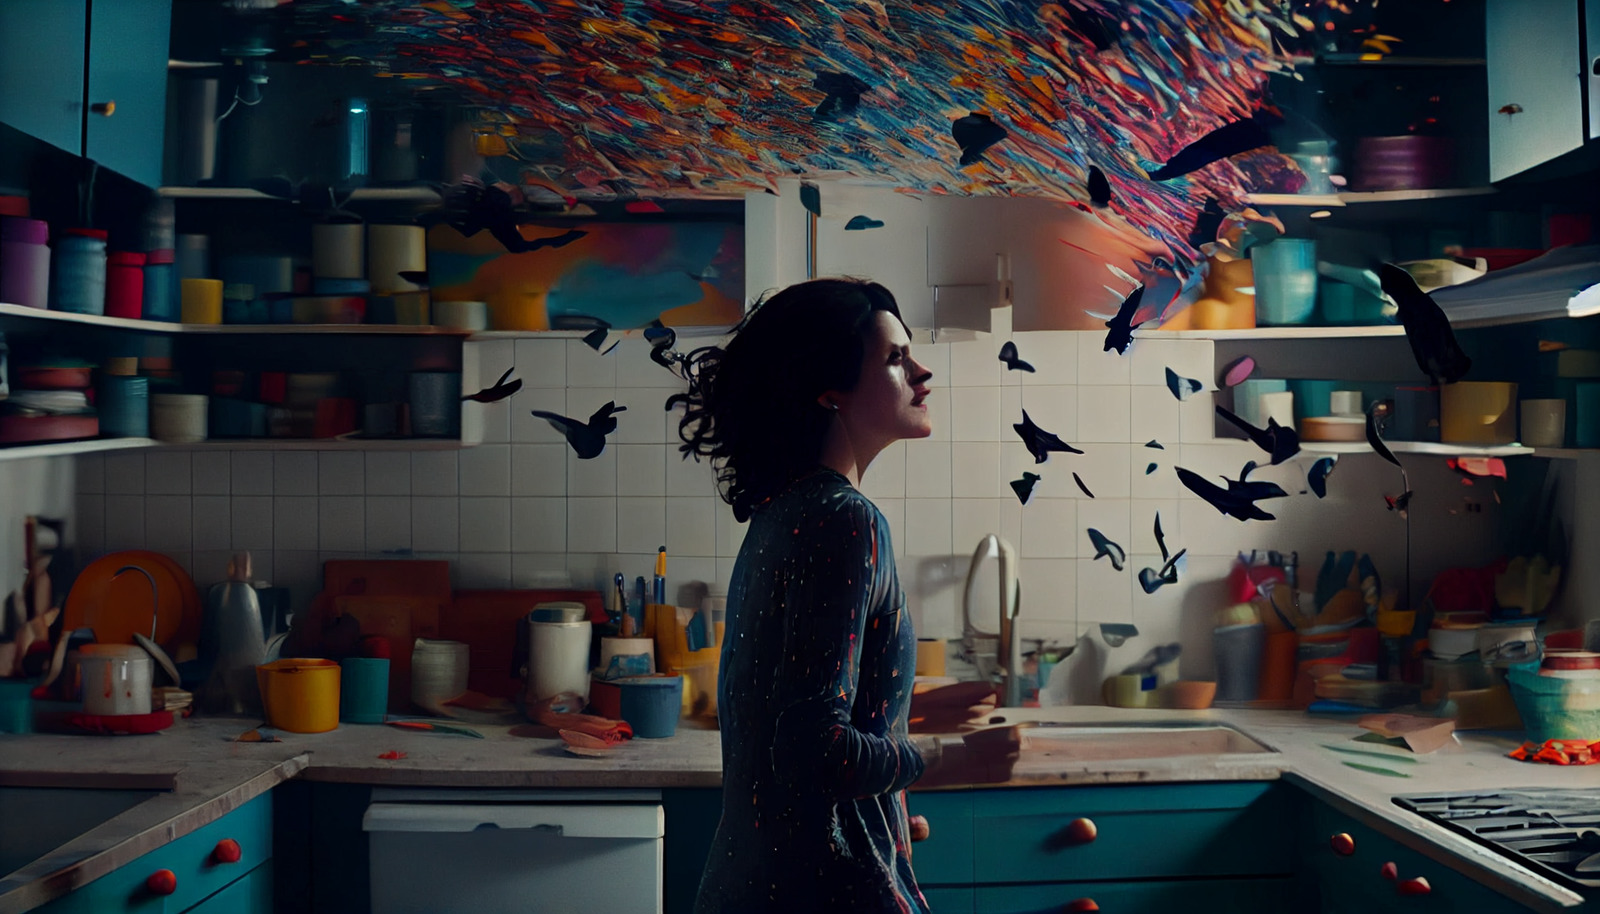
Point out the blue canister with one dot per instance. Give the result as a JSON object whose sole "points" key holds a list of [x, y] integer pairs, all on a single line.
{"points": [[651, 704], [124, 406], [80, 272], [435, 404], [160, 292]]}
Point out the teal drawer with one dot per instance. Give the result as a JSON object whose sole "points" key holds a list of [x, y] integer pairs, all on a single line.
{"points": [[1236, 896], [949, 900], [251, 894], [189, 858], [1355, 883], [1231, 829], [946, 857]]}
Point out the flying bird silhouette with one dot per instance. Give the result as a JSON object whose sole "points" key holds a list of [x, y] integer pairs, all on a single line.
{"points": [[587, 439], [499, 391]]}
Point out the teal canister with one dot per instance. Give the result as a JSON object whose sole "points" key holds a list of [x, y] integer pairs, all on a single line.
{"points": [[363, 689], [124, 406], [79, 261]]}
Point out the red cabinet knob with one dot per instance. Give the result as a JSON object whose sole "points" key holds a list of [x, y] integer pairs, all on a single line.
{"points": [[1389, 871], [105, 108], [918, 826], [1081, 904], [1343, 844], [162, 882], [1416, 886], [1082, 831], [226, 851]]}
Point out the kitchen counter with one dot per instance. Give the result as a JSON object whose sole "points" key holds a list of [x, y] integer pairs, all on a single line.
{"points": [[208, 776]]}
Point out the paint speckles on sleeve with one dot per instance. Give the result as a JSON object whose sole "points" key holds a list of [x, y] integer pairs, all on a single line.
{"points": [[813, 714]]}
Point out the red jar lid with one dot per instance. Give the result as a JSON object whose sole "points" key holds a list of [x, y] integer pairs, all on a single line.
{"points": [[164, 255], [13, 206], [125, 259], [87, 233]]}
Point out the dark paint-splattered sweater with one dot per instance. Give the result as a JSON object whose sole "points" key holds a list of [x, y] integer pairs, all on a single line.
{"points": [[815, 684]]}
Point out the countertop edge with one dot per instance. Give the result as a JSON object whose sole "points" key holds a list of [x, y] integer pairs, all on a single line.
{"points": [[171, 816]]}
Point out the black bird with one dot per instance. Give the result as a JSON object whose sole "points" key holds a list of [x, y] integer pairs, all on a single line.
{"points": [[1008, 355], [975, 133], [1229, 501], [1318, 476], [1152, 579], [1376, 442], [1182, 387], [1024, 486], [1082, 486], [1119, 330], [1040, 442], [587, 439], [473, 207], [1105, 548], [1228, 140], [499, 391], [1281, 442], [1427, 329], [1099, 188], [843, 95]]}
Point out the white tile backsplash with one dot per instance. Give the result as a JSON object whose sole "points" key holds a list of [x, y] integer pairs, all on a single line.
{"points": [[527, 512]]}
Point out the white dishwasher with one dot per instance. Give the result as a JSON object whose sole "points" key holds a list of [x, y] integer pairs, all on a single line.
{"points": [[540, 851]]}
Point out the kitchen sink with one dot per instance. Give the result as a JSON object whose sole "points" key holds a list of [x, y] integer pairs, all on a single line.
{"points": [[36, 820], [1110, 742]]}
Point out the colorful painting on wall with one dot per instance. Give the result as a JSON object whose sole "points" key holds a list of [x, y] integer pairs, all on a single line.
{"points": [[621, 275]]}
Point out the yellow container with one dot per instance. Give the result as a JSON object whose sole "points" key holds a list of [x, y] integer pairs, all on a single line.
{"points": [[201, 301], [666, 624], [300, 695], [1478, 412], [518, 307]]}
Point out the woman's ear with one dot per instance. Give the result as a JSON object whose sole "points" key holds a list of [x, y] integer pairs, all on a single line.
{"points": [[828, 401]]}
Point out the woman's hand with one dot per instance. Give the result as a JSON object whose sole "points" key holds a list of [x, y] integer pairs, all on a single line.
{"points": [[982, 757]]}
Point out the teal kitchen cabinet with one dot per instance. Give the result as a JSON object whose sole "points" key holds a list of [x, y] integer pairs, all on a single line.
{"points": [[89, 79], [204, 884], [1355, 883], [1536, 82], [1202, 846]]}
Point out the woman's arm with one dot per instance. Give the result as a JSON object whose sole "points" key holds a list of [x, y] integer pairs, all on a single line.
{"points": [[829, 591]]}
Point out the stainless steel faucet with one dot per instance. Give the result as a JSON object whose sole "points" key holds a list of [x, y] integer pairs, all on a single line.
{"points": [[1008, 648]]}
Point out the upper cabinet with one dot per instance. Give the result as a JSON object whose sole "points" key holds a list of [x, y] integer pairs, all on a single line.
{"points": [[1536, 81], [110, 110]]}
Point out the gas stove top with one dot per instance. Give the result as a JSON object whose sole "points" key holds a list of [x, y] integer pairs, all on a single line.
{"points": [[1554, 832]]}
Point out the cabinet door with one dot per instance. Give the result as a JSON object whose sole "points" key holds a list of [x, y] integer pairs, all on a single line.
{"points": [[1533, 63], [128, 67], [251, 894], [41, 69]]}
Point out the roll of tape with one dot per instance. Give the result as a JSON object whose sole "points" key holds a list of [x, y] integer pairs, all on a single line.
{"points": [[338, 250], [392, 250]]}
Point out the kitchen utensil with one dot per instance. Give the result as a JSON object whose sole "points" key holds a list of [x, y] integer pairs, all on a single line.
{"points": [[651, 704], [300, 695], [1238, 650], [158, 655], [232, 642], [117, 607], [429, 726], [117, 681], [1191, 694], [363, 689], [1008, 650]]}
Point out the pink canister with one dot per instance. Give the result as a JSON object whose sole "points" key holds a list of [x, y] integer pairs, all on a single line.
{"points": [[24, 262]]}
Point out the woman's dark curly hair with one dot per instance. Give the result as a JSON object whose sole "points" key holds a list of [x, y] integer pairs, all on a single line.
{"points": [[752, 404]]}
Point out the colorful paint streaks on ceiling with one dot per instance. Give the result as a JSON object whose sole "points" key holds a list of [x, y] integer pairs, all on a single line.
{"points": [[699, 97]]}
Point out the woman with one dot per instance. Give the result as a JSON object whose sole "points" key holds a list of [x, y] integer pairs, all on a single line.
{"points": [[818, 653]]}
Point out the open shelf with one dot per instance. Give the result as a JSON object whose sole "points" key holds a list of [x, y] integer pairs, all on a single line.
{"points": [[358, 195], [124, 323], [66, 448], [1275, 333], [1565, 453], [1354, 198], [1431, 448], [326, 444]]}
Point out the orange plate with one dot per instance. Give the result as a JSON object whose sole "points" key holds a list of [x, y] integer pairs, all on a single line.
{"points": [[117, 609]]}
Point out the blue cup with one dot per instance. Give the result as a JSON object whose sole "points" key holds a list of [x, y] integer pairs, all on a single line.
{"points": [[16, 705], [651, 704], [1285, 274], [363, 689]]}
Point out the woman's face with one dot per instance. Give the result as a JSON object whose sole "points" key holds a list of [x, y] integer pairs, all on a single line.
{"points": [[887, 403]]}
